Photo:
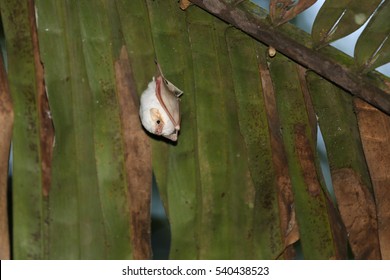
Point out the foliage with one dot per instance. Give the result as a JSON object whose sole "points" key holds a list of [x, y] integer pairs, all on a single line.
{"points": [[243, 181]]}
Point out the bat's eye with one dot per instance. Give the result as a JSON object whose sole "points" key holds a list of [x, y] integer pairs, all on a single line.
{"points": [[158, 121]]}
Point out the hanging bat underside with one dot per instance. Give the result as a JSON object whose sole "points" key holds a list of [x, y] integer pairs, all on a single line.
{"points": [[159, 107]]}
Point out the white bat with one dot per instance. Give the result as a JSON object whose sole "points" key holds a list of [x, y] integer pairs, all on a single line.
{"points": [[159, 108]]}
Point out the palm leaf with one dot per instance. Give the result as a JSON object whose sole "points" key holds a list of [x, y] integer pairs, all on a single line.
{"points": [[243, 180], [374, 130], [175, 166], [373, 46], [339, 18], [283, 11], [28, 202], [349, 172]]}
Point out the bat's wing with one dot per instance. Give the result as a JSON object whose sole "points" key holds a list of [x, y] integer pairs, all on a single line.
{"points": [[168, 96]]}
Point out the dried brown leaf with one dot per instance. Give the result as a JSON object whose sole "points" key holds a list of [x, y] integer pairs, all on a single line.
{"points": [[357, 209], [374, 127]]}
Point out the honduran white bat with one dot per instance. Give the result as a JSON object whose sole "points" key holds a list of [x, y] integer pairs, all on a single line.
{"points": [[159, 108]]}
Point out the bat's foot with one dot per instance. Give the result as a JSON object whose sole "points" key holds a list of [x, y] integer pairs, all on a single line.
{"points": [[172, 137]]}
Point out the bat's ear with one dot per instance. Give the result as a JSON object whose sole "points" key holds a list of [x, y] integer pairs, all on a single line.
{"points": [[159, 71], [172, 88]]}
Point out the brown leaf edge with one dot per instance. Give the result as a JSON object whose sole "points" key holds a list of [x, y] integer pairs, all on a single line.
{"points": [[6, 124], [46, 128], [138, 159], [288, 223], [374, 127]]}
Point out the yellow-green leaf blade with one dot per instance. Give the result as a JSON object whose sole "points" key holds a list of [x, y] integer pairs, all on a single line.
{"points": [[75, 227], [338, 18], [175, 166], [224, 206], [373, 46], [309, 200], [252, 119], [27, 200], [98, 54]]}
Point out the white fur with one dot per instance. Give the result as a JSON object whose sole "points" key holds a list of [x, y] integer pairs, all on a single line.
{"points": [[148, 101]]}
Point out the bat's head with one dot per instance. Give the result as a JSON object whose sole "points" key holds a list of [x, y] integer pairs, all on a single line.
{"points": [[156, 120]]}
